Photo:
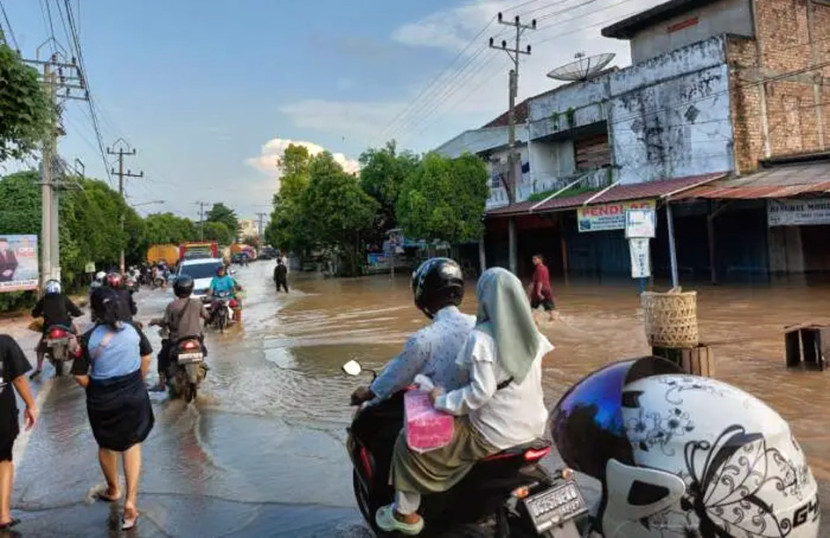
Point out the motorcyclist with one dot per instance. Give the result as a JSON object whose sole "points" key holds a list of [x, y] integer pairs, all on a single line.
{"points": [[125, 298], [182, 319], [438, 288], [100, 276], [223, 283], [56, 309]]}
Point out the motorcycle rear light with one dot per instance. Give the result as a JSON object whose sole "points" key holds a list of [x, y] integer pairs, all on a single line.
{"points": [[536, 455], [190, 345], [521, 493], [57, 333]]}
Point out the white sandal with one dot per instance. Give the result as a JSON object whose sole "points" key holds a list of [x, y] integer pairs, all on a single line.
{"points": [[386, 520]]}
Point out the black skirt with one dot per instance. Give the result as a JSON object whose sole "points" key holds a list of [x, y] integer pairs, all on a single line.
{"points": [[120, 411]]}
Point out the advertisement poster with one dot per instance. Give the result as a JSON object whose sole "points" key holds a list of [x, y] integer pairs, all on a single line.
{"points": [[640, 258], [798, 212], [640, 223], [600, 218], [18, 263]]}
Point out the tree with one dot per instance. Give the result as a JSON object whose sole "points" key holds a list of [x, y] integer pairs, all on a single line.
{"points": [[287, 228], [294, 170], [337, 212], [221, 213], [161, 228], [218, 231], [444, 199], [27, 114], [382, 174]]}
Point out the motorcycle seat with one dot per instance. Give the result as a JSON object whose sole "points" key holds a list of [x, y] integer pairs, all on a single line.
{"points": [[532, 451]]}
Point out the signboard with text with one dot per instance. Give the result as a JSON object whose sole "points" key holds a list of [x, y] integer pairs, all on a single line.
{"points": [[798, 212], [18, 263], [640, 223], [640, 257], [600, 218]]}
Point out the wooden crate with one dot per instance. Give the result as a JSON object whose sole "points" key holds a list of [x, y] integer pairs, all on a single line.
{"points": [[803, 345], [698, 360]]}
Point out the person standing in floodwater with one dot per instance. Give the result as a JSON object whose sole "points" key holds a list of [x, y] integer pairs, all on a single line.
{"points": [[281, 275], [541, 293]]}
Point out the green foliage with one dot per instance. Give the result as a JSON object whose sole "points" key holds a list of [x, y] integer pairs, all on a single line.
{"points": [[220, 213], [337, 212], [27, 115], [253, 240], [287, 228], [294, 172], [444, 199], [573, 191], [554, 119], [570, 116], [382, 174], [162, 228], [218, 231]]}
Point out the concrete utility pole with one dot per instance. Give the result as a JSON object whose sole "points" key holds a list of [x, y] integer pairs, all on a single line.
{"points": [[121, 175], [260, 229], [512, 176], [201, 219], [66, 76]]}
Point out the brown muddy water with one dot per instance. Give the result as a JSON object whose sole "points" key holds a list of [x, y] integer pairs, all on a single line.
{"points": [[369, 318]]}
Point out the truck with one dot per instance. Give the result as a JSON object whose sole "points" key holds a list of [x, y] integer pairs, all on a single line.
{"points": [[165, 252], [198, 249]]}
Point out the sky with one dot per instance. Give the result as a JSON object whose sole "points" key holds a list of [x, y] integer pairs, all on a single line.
{"points": [[209, 93]]}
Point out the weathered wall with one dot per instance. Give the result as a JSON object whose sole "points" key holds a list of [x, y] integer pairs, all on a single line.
{"points": [[477, 141], [497, 164], [726, 17], [792, 36], [550, 161], [670, 116]]}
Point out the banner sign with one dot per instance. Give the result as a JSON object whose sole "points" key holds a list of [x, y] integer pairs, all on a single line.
{"points": [[640, 257], [600, 218], [18, 263], [640, 223], [798, 212]]}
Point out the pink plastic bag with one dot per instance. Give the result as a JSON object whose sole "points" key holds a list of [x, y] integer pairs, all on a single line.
{"points": [[426, 427]]}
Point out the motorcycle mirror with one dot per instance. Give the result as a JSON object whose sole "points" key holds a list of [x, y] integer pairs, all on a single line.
{"points": [[352, 368]]}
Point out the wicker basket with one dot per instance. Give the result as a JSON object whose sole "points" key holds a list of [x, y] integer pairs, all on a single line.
{"points": [[671, 318]]}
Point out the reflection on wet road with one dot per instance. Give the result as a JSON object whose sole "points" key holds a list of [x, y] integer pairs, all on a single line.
{"points": [[261, 452]]}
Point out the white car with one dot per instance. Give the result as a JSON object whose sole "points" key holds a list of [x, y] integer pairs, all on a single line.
{"points": [[201, 270]]}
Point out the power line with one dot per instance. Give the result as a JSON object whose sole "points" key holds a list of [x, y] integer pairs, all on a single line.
{"points": [[9, 26]]}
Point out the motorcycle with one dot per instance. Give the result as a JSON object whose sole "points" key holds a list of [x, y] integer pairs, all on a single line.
{"points": [[132, 284], [187, 365], [221, 308], [57, 339], [512, 487]]}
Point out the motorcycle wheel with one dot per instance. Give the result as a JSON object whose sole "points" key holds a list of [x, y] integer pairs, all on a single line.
{"points": [[189, 392], [58, 365], [365, 504], [221, 322]]}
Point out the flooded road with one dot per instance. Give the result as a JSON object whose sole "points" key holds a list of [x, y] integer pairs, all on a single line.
{"points": [[261, 453]]}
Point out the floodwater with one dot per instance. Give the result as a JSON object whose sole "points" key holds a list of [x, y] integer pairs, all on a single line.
{"points": [[261, 452]]}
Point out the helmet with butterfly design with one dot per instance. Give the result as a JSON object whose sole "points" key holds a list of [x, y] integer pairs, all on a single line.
{"points": [[685, 456]]}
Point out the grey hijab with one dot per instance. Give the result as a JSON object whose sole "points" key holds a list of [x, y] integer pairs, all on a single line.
{"points": [[504, 314]]}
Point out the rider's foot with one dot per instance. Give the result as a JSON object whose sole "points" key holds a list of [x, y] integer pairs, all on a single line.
{"points": [[389, 520]]}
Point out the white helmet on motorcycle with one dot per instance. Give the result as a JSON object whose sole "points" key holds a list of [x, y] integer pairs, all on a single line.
{"points": [[100, 276], [52, 287], [686, 456]]}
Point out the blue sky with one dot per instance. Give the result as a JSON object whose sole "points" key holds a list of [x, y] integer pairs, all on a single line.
{"points": [[210, 92]]}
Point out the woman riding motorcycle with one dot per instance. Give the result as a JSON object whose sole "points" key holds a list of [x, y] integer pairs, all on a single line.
{"points": [[223, 283]]}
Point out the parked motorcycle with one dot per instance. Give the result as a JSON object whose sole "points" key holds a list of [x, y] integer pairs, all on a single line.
{"points": [[57, 339], [187, 368], [512, 487]]}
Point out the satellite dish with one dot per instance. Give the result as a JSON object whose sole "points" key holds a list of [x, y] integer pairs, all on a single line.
{"points": [[584, 68]]}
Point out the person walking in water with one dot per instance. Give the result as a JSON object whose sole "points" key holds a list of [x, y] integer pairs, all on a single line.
{"points": [[111, 364], [281, 275], [541, 293], [13, 365]]}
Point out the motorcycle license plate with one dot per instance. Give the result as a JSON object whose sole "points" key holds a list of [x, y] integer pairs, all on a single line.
{"points": [[188, 358], [555, 506]]}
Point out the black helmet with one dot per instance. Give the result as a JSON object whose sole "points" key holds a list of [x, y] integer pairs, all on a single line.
{"points": [[183, 286], [437, 283]]}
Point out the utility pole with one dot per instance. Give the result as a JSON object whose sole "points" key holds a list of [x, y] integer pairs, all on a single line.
{"points": [[121, 175], [261, 230], [201, 219], [512, 177], [58, 73]]}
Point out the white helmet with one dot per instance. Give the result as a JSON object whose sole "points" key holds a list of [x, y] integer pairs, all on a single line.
{"points": [[52, 287], [684, 456], [100, 276]]}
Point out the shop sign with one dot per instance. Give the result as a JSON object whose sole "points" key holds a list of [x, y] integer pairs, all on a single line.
{"points": [[640, 257], [18, 263], [798, 212], [640, 223], [600, 218]]}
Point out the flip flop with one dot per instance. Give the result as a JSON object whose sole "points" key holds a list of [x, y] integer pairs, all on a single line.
{"points": [[386, 520], [10, 524], [128, 523], [102, 496]]}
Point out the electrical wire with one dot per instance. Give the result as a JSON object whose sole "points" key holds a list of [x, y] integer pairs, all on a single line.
{"points": [[9, 26]]}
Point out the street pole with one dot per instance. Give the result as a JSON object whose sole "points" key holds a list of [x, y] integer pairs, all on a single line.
{"points": [[261, 230], [121, 175], [201, 220], [513, 82], [46, 188], [675, 279]]}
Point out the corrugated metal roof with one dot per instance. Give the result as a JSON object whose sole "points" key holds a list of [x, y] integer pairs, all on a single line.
{"points": [[619, 193], [779, 182]]}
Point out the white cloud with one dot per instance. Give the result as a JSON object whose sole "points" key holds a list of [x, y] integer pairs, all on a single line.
{"points": [[275, 148], [470, 98]]}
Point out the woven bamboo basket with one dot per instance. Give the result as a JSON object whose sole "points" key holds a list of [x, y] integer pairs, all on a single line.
{"points": [[671, 318]]}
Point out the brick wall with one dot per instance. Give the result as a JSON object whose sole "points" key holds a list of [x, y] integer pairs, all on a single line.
{"points": [[783, 29]]}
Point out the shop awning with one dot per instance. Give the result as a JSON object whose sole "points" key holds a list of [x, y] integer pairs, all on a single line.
{"points": [[669, 188], [780, 182]]}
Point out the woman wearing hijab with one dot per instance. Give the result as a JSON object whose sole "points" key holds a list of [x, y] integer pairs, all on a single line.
{"points": [[113, 362], [501, 407]]}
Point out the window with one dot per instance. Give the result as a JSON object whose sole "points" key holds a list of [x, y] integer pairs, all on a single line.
{"points": [[201, 270]]}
